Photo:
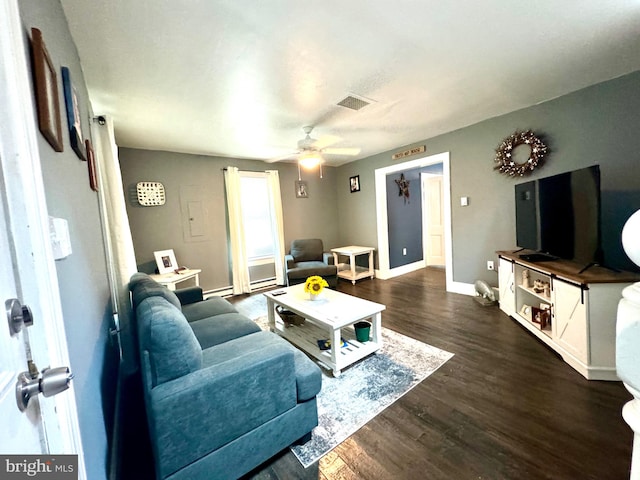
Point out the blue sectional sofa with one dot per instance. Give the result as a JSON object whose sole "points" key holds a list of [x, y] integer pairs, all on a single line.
{"points": [[221, 395]]}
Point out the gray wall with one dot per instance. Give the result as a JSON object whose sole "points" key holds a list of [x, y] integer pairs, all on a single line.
{"points": [[82, 276], [162, 227], [596, 125]]}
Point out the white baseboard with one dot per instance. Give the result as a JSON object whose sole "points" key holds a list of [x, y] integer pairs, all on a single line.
{"points": [[461, 288]]}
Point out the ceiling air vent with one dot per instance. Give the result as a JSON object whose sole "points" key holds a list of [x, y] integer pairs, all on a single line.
{"points": [[354, 103]]}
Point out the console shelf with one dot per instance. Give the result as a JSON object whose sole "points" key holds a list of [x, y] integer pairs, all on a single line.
{"points": [[582, 308]]}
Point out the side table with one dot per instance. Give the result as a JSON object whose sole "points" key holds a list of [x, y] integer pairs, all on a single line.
{"points": [[170, 280], [351, 271]]}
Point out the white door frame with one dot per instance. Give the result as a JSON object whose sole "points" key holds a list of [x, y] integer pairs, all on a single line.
{"points": [[27, 214], [384, 271]]}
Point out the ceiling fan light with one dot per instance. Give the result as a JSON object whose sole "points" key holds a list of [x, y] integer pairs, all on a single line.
{"points": [[309, 160]]}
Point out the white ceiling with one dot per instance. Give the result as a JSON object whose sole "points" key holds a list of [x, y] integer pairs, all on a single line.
{"points": [[240, 78]]}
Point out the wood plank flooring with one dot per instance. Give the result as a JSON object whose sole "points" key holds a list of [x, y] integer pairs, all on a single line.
{"points": [[504, 407]]}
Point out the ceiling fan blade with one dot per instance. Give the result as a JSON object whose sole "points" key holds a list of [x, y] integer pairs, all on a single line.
{"points": [[326, 141], [341, 151], [291, 155]]}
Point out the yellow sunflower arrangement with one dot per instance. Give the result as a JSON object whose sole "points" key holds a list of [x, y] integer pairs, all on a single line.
{"points": [[315, 284]]}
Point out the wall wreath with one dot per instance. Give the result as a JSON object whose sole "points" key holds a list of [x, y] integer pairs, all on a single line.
{"points": [[504, 154]]}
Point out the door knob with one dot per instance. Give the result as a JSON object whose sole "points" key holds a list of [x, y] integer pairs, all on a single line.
{"points": [[50, 382], [18, 315]]}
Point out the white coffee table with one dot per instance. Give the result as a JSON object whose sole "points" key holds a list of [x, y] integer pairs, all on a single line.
{"points": [[331, 317]]}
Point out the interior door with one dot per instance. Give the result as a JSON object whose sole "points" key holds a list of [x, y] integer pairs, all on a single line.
{"points": [[433, 236], [27, 269], [22, 432]]}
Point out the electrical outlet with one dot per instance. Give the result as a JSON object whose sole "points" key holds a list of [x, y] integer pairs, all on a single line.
{"points": [[490, 265], [404, 251]]}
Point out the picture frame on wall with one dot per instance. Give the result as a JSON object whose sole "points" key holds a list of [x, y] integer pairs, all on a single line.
{"points": [[73, 114], [166, 261], [91, 166], [354, 183], [302, 190], [46, 89]]}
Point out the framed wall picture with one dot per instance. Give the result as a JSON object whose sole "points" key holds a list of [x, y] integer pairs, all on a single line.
{"points": [[354, 183], [91, 165], [302, 190], [46, 87], [73, 114], [166, 261]]}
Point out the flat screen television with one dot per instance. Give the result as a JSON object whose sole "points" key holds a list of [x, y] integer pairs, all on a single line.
{"points": [[559, 216]]}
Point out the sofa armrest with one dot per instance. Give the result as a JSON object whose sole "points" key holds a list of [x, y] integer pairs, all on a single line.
{"points": [[289, 261], [204, 410], [189, 295], [327, 257]]}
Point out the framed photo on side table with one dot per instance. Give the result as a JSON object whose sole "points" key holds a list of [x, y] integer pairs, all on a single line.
{"points": [[46, 87], [73, 114], [166, 261]]}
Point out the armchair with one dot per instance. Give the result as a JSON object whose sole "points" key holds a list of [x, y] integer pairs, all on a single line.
{"points": [[306, 258]]}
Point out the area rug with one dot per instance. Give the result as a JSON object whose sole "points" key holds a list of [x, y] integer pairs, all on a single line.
{"points": [[364, 389]]}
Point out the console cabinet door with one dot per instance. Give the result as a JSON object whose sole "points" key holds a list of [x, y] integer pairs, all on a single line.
{"points": [[570, 317], [507, 287]]}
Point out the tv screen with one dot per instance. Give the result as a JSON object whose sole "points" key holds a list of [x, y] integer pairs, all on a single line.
{"points": [[560, 215]]}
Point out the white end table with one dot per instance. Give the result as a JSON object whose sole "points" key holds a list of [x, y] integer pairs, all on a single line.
{"points": [[170, 280], [350, 270]]}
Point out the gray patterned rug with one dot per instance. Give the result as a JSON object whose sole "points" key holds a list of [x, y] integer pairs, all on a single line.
{"points": [[365, 389]]}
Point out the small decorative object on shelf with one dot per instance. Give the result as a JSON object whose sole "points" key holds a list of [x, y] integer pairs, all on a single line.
{"points": [[314, 286], [288, 317], [504, 154], [540, 286], [525, 278]]}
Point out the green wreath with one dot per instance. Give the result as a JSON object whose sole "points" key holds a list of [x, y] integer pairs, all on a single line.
{"points": [[504, 154]]}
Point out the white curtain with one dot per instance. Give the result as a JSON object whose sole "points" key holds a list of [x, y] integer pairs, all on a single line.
{"points": [[239, 263], [275, 199], [121, 259]]}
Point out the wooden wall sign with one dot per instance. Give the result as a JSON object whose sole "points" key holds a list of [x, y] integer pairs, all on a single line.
{"points": [[408, 153]]}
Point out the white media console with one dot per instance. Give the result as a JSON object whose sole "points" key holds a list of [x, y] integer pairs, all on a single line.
{"points": [[581, 323]]}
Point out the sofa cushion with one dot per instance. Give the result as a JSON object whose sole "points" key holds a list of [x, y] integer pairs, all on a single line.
{"points": [[143, 286], [207, 308], [163, 331], [222, 328], [307, 249], [308, 375], [305, 269]]}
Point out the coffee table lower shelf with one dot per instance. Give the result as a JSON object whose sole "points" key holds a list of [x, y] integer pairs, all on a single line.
{"points": [[306, 338]]}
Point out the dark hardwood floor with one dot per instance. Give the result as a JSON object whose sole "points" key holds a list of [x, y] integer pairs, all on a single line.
{"points": [[504, 407]]}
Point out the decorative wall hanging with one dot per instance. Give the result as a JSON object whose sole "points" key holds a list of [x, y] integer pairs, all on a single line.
{"points": [[73, 114], [504, 154], [302, 191], [150, 194], [403, 187], [46, 87], [354, 183], [91, 164]]}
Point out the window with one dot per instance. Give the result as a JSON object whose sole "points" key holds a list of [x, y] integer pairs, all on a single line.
{"points": [[257, 217]]}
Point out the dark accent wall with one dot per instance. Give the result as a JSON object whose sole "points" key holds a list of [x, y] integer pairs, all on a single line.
{"points": [[404, 216], [163, 227], [595, 125], [82, 276]]}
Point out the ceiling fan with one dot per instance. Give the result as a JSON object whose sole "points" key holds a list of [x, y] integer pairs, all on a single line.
{"points": [[311, 150]]}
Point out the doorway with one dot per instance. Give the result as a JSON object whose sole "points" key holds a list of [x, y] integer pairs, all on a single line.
{"points": [[384, 271]]}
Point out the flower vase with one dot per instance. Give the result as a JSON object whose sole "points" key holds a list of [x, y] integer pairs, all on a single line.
{"points": [[314, 297]]}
